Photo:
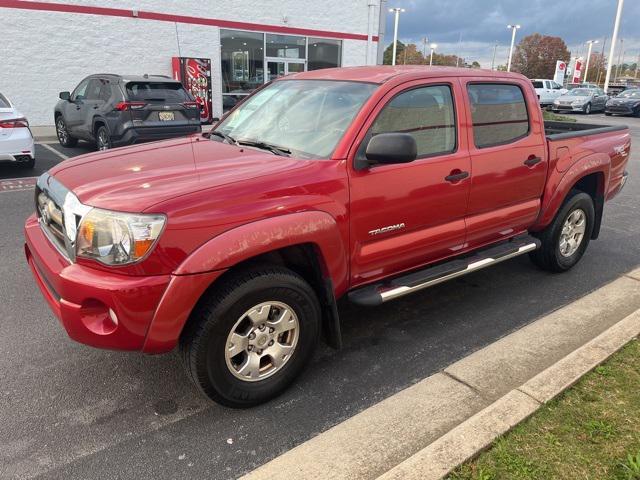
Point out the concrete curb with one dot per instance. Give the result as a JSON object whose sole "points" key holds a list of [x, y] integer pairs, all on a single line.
{"points": [[432, 426], [477, 433]]}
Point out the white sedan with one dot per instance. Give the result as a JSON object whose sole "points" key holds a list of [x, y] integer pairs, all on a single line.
{"points": [[16, 141]]}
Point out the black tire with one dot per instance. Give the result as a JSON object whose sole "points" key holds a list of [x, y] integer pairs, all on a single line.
{"points": [[203, 342], [103, 138], [65, 139], [608, 114], [29, 164], [587, 109], [548, 256]]}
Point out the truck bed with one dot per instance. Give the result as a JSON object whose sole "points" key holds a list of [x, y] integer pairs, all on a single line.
{"points": [[564, 130]]}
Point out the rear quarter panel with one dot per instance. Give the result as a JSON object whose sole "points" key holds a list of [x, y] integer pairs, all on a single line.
{"points": [[572, 159]]}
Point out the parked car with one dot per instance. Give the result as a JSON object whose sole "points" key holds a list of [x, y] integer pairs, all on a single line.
{"points": [[16, 141], [625, 103], [365, 182], [115, 110], [547, 90], [571, 86], [584, 100]]}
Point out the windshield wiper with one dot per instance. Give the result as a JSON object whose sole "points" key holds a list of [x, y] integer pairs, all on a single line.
{"points": [[224, 136], [275, 149]]}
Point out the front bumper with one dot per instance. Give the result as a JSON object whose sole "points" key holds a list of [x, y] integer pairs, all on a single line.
{"points": [[621, 109], [568, 108], [111, 310]]}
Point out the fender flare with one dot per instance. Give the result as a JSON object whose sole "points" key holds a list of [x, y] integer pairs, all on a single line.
{"points": [[269, 234], [203, 267], [556, 192]]}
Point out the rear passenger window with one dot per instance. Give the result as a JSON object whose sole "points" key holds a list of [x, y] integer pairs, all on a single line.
{"points": [[499, 114], [426, 113]]}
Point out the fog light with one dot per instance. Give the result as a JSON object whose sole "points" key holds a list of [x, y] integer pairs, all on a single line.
{"points": [[97, 317]]}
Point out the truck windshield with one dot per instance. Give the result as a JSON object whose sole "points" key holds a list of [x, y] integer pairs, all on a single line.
{"points": [[304, 117]]}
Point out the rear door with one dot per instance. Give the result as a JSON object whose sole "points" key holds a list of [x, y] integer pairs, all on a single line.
{"points": [[508, 159], [161, 104], [407, 215]]}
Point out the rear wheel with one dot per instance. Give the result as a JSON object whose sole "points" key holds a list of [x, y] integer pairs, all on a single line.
{"points": [[103, 140], [566, 239], [252, 336], [62, 132]]}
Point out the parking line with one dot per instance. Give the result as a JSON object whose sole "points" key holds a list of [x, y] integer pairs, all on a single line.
{"points": [[53, 150]]}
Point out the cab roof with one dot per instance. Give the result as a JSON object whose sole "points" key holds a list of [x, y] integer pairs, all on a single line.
{"points": [[383, 73]]}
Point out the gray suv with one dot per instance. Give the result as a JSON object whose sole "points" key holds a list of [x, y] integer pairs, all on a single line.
{"points": [[115, 110]]}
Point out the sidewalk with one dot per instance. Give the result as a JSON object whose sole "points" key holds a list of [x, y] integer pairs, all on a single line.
{"points": [[426, 430]]}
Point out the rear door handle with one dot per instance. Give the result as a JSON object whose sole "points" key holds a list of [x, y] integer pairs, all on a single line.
{"points": [[531, 161], [456, 177]]}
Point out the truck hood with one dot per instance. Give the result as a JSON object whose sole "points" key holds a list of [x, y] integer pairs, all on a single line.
{"points": [[133, 179]]}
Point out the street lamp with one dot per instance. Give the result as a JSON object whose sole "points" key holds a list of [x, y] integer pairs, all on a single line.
{"points": [[586, 68], [614, 40], [493, 60], [513, 41], [397, 11], [433, 46]]}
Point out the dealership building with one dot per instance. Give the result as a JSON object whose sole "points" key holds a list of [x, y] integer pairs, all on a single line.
{"points": [[48, 47]]}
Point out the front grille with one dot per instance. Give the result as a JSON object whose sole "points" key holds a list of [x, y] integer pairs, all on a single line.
{"points": [[59, 213]]}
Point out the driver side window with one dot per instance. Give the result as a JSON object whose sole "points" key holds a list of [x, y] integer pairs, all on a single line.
{"points": [[426, 113], [81, 90]]}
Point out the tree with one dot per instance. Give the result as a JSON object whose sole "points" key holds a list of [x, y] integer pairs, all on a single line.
{"points": [[536, 55], [410, 56], [475, 64], [388, 53], [597, 68]]}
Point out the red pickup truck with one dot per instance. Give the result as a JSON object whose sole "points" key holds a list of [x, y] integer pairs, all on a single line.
{"points": [[365, 182]]}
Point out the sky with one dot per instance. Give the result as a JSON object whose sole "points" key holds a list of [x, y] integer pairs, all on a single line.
{"points": [[482, 23]]}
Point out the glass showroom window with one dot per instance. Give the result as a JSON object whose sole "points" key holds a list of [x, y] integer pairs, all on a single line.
{"points": [[286, 46], [242, 56], [324, 53]]}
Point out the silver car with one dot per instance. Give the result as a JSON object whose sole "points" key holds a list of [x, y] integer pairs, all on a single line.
{"points": [[585, 100]]}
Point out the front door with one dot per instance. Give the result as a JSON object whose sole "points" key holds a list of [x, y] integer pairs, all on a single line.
{"points": [[279, 67], [508, 158], [407, 215], [74, 109]]}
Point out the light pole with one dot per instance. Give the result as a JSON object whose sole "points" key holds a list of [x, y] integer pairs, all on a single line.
{"points": [[614, 40], [513, 41], [397, 11], [586, 68], [493, 60], [433, 46]]}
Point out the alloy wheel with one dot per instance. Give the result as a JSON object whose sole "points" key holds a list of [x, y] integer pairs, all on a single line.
{"points": [[262, 341], [572, 232]]}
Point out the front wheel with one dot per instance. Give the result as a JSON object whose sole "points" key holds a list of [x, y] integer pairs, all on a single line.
{"points": [[587, 109], [566, 239], [62, 132], [252, 336]]}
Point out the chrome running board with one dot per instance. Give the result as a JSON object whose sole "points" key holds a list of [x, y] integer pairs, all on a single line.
{"points": [[376, 294]]}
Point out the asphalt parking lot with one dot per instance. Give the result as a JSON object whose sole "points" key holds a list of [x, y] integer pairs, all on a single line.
{"points": [[70, 411]]}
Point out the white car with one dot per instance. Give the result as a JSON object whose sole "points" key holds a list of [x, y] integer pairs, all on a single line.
{"points": [[16, 141], [547, 90]]}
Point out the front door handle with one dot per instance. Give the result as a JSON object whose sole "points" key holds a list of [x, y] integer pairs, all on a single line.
{"points": [[531, 161], [456, 177]]}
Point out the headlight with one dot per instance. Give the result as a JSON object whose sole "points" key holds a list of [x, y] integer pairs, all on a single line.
{"points": [[116, 238], [556, 102]]}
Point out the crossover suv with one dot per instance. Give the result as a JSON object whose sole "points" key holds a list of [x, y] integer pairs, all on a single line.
{"points": [[116, 110]]}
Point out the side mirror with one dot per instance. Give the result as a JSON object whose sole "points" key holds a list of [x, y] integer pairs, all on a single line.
{"points": [[389, 148], [64, 96]]}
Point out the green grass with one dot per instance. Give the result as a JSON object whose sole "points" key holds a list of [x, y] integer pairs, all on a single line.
{"points": [[590, 432], [554, 117]]}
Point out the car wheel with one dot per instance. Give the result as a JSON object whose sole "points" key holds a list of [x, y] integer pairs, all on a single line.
{"points": [[103, 140], [251, 337], [587, 109], [29, 164], [608, 114], [64, 138], [566, 239]]}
